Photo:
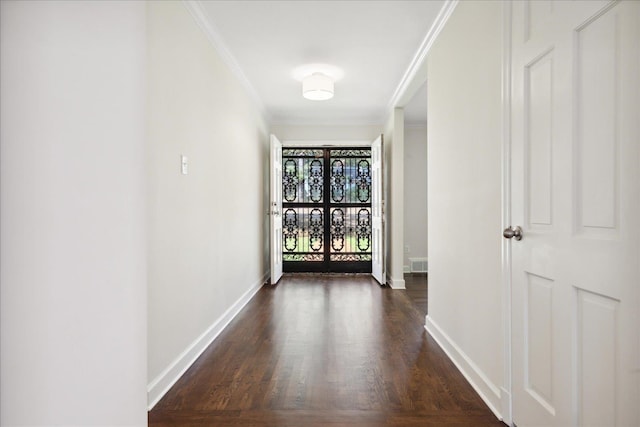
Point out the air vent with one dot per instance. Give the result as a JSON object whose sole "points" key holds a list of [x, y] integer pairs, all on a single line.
{"points": [[418, 265]]}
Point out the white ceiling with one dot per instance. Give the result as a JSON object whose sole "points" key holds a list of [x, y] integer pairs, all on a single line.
{"points": [[372, 42]]}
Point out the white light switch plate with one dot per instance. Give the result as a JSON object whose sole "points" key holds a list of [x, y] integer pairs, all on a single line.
{"points": [[184, 162]]}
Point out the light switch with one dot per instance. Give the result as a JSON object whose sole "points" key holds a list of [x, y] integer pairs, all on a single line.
{"points": [[184, 162]]}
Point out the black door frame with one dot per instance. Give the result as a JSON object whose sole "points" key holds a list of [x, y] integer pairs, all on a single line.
{"points": [[326, 265]]}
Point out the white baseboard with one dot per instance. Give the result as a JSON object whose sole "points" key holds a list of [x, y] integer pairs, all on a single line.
{"points": [[488, 391], [396, 283], [406, 269], [157, 388], [506, 406]]}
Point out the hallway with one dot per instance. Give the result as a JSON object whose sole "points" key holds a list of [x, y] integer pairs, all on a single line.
{"points": [[324, 350]]}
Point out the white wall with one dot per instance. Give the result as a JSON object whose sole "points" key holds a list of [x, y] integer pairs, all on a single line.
{"points": [[464, 167], [327, 133], [207, 230], [394, 196], [415, 192], [72, 221]]}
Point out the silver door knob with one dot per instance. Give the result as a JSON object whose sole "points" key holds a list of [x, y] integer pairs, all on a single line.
{"points": [[515, 232]]}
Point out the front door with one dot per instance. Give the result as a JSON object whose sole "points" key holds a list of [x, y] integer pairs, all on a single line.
{"points": [[275, 208], [576, 196], [377, 211], [326, 209]]}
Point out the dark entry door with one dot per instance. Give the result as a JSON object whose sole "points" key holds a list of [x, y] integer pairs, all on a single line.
{"points": [[326, 210]]}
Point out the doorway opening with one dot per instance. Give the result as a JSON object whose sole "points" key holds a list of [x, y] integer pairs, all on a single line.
{"points": [[326, 210]]}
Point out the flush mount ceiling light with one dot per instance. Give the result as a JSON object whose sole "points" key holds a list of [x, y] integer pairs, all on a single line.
{"points": [[317, 87], [317, 80]]}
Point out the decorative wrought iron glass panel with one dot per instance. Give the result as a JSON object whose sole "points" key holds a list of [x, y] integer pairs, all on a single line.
{"points": [[350, 176], [302, 176], [303, 152], [326, 217], [352, 152], [351, 234], [303, 234]]}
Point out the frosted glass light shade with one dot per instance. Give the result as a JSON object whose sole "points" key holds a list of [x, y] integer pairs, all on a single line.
{"points": [[317, 87]]}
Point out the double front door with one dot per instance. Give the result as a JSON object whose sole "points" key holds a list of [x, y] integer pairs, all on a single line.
{"points": [[326, 209]]}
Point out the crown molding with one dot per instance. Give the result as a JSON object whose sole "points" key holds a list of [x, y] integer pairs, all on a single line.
{"points": [[294, 124], [421, 55], [200, 16], [326, 143]]}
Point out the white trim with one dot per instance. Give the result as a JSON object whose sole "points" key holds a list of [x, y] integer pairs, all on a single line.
{"points": [[157, 388], [200, 16], [369, 120], [507, 403], [418, 61], [328, 143], [396, 283], [488, 391], [505, 406]]}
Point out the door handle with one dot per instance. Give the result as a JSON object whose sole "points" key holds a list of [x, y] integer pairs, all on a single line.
{"points": [[515, 232]]}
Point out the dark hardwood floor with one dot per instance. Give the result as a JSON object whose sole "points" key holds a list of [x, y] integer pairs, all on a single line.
{"points": [[321, 350], [416, 284]]}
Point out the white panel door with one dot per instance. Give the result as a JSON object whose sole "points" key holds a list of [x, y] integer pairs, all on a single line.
{"points": [[275, 209], [576, 195], [377, 208]]}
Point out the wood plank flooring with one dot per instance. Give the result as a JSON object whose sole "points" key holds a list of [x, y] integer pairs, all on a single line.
{"points": [[316, 350], [416, 284]]}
